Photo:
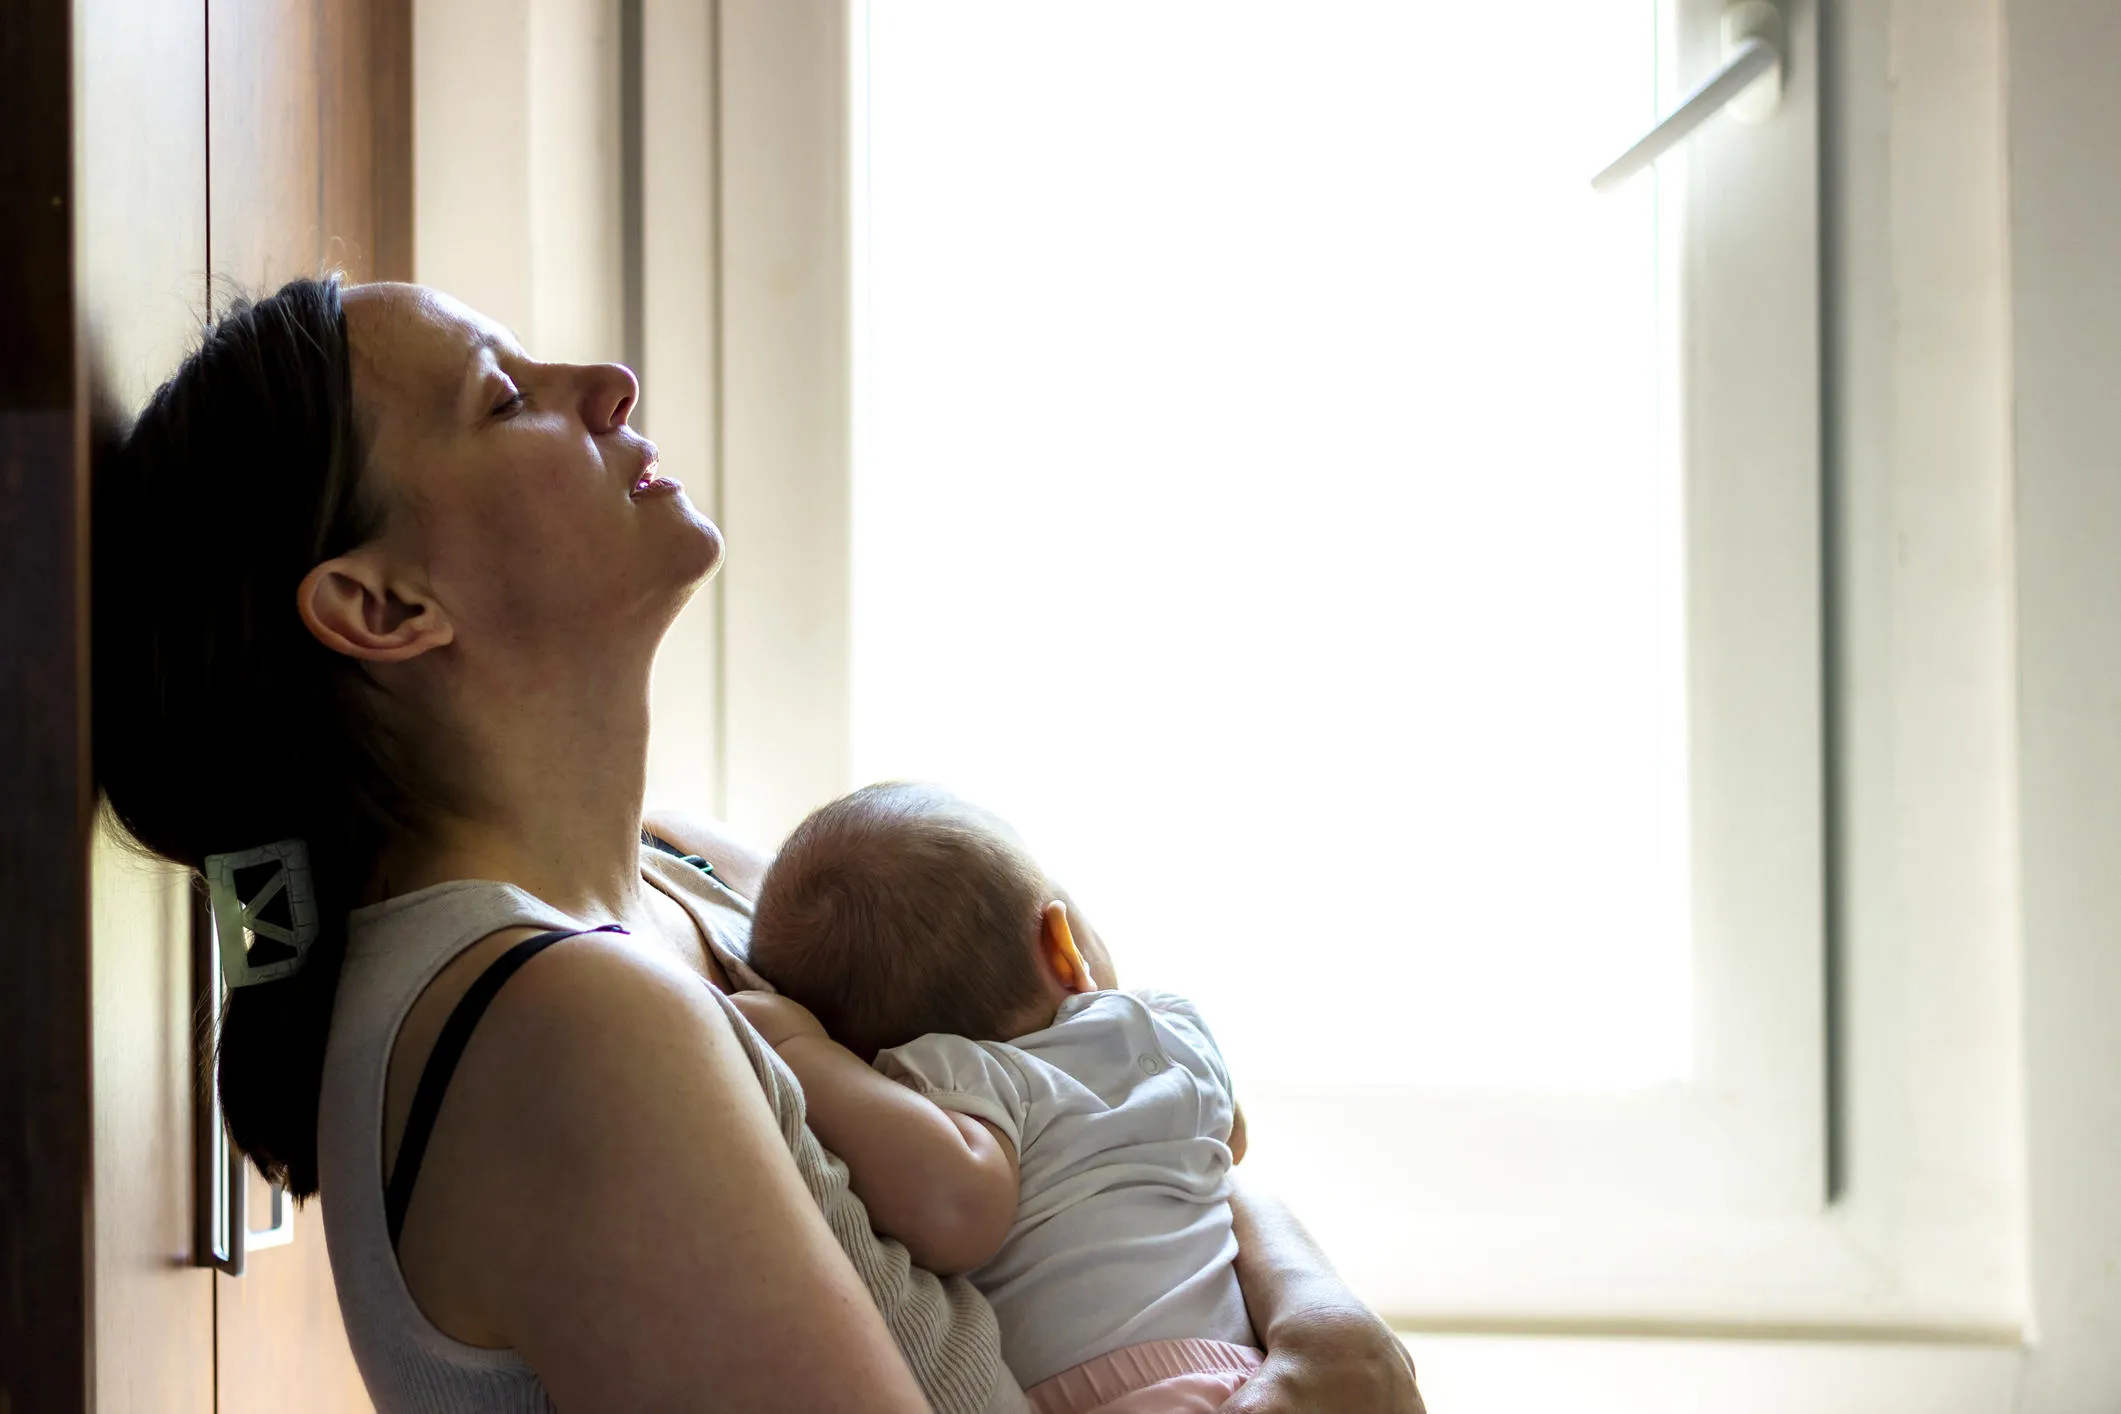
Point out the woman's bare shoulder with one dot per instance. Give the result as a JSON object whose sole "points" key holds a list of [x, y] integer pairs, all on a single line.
{"points": [[606, 1163], [585, 1033], [575, 992]]}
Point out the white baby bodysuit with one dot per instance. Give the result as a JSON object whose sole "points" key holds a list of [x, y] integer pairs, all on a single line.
{"points": [[1120, 1112]]}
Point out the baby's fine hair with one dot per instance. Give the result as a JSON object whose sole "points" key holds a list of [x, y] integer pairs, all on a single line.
{"points": [[901, 910]]}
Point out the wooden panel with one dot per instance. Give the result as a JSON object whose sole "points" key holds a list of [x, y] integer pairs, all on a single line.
{"points": [[140, 165], [390, 89], [154, 1309], [44, 1071], [347, 150], [309, 128], [36, 218], [264, 142], [367, 137], [282, 1344], [44, 1103], [312, 139]]}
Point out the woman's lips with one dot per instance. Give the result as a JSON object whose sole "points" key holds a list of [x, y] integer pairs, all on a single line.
{"points": [[651, 481]]}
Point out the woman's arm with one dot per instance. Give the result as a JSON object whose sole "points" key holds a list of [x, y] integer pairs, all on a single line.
{"points": [[1325, 1349], [742, 867], [608, 1194]]}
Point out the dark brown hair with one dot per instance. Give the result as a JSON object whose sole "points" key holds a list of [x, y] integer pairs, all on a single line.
{"points": [[900, 910], [220, 723]]}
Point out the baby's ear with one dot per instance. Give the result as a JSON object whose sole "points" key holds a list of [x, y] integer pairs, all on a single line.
{"points": [[1057, 950]]}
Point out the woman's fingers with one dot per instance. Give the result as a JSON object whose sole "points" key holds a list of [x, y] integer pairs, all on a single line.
{"points": [[1374, 1378]]}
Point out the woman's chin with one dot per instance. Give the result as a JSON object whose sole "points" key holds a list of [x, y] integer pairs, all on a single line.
{"points": [[707, 549], [684, 573], [693, 550]]}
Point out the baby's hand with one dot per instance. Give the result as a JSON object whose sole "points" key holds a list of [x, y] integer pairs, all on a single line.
{"points": [[776, 1018]]}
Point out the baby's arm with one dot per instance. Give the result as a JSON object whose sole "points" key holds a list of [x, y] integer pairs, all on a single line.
{"points": [[943, 1184]]}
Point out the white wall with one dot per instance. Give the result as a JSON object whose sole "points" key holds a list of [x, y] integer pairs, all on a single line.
{"points": [[681, 380], [518, 180], [516, 185], [471, 155], [2065, 155], [576, 168]]}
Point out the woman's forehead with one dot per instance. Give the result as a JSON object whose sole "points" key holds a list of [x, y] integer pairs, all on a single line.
{"points": [[413, 340]]}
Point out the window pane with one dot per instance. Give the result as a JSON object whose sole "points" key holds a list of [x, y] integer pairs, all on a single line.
{"points": [[1264, 496]]}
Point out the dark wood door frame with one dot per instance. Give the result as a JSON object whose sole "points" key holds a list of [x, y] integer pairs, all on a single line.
{"points": [[45, 798], [47, 1176]]}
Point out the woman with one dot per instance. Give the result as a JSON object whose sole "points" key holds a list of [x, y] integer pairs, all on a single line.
{"points": [[369, 577]]}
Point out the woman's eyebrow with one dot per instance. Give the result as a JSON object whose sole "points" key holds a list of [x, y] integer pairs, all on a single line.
{"points": [[489, 343], [483, 345]]}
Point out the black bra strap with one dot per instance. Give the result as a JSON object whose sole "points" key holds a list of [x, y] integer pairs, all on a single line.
{"points": [[656, 841], [442, 1064]]}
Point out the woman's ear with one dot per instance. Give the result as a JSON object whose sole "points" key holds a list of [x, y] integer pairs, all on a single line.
{"points": [[1057, 950], [352, 606]]}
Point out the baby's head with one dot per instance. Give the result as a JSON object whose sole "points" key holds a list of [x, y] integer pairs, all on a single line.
{"points": [[901, 910]]}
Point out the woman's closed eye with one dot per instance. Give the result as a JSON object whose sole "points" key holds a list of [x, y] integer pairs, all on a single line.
{"points": [[511, 403]]}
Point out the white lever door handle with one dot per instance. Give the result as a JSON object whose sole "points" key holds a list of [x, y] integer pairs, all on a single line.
{"points": [[281, 1232], [224, 1236], [1749, 84], [230, 1239]]}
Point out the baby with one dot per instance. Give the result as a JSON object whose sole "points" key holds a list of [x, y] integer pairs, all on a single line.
{"points": [[1002, 1108]]}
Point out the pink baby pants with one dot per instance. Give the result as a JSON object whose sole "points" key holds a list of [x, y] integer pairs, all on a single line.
{"points": [[1160, 1377]]}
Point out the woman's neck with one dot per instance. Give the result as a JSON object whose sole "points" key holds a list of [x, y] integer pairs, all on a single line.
{"points": [[551, 785]]}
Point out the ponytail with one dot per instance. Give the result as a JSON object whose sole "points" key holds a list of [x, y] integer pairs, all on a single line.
{"points": [[220, 723]]}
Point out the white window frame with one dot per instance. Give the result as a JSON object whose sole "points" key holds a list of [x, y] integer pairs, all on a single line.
{"points": [[1724, 1210]]}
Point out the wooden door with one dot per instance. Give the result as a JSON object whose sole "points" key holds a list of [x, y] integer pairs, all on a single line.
{"points": [[310, 138], [45, 1152], [155, 146], [140, 242], [103, 263], [309, 145]]}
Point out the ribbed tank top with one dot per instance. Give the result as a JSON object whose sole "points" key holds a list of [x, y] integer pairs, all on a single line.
{"points": [[394, 949]]}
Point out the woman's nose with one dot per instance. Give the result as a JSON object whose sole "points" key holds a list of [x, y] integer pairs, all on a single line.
{"points": [[609, 394]]}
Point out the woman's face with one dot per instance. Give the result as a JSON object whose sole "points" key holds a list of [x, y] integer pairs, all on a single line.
{"points": [[517, 492]]}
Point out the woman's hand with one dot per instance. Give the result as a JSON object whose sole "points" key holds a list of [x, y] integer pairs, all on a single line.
{"points": [[739, 866], [1325, 1350], [776, 1018], [1345, 1361]]}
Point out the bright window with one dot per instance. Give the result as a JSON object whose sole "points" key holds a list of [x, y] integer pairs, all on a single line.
{"points": [[1379, 574], [1266, 494], [1094, 426]]}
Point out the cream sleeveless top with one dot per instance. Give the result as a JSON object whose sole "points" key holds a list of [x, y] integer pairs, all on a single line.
{"points": [[945, 1329]]}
